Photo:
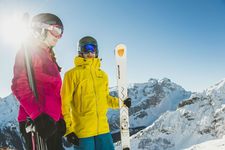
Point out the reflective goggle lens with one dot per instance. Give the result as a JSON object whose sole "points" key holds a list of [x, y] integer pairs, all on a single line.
{"points": [[89, 48], [56, 31]]}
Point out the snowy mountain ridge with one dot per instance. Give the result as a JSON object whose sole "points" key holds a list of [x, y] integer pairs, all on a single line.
{"points": [[9, 132], [196, 123], [197, 119], [149, 101]]}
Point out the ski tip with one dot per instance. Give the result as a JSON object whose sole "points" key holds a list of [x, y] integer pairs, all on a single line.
{"points": [[120, 50]]}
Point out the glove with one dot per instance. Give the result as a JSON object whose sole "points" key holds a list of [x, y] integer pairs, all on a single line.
{"points": [[72, 138], [127, 102], [45, 126], [61, 126]]}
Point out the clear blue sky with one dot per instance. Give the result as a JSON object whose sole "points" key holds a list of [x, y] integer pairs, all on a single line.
{"points": [[183, 40]]}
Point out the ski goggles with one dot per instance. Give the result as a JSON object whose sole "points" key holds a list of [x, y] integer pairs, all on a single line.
{"points": [[88, 48], [56, 31]]}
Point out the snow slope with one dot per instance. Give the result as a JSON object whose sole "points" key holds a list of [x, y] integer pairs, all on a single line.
{"points": [[218, 144]]}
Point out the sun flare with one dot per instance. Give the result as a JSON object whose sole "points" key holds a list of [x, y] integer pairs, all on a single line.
{"points": [[13, 30]]}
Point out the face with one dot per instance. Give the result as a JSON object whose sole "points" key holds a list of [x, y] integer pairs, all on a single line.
{"points": [[89, 50], [53, 34], [50, 40], [89, 55]]}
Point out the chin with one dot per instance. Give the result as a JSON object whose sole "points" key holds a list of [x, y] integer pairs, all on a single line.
{"points": [[53, 44]]}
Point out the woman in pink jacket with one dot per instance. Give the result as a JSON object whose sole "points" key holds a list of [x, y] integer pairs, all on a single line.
{"points": [[45, 110]]}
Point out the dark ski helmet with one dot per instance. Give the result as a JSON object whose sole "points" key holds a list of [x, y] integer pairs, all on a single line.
{"points": [[85, 41], [43, 22]]}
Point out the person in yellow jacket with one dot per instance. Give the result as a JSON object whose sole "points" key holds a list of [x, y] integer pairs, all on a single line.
{"points": [[86, 99]]}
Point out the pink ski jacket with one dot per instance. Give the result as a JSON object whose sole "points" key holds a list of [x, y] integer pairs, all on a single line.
{"points": [[48, 84]]}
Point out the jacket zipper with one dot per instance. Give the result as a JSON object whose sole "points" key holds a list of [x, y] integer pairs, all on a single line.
{"points": [[96, 101], [81, 99]]}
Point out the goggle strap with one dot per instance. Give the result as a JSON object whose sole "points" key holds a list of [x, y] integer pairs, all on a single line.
{"points": [[82, 45], [42, 25]]}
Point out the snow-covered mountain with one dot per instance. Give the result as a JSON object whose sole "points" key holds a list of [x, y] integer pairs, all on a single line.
{"points": [[9, 131], [9, 128], [197, 119], [149, 101]]}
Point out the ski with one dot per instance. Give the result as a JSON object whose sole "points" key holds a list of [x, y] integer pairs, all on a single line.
{"points": [[38, 143], [121, 59]]}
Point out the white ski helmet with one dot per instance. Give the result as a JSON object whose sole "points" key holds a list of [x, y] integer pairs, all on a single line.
{"points": [[44, 22]]}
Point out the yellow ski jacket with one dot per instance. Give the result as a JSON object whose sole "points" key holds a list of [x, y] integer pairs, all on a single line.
{"points": [[86, 99]]}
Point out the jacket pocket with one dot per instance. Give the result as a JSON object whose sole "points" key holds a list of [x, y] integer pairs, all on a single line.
{"points": [[99, 74]]}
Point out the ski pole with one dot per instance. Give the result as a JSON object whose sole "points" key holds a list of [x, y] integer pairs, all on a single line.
{"points": [[33, 141], [29, 127]]}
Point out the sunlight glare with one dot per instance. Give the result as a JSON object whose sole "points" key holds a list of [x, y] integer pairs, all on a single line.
{"points": [[13, 30]]}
